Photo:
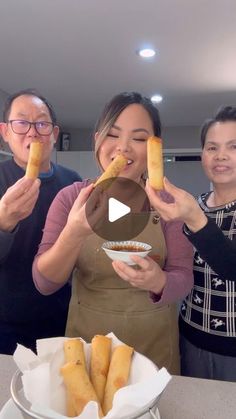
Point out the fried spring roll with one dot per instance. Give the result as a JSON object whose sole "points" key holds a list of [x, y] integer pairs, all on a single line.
{"points": [[155, 162], [114, 169], [78, 384], [34, 161], [99, 364], [74, 351], [118, 374]]}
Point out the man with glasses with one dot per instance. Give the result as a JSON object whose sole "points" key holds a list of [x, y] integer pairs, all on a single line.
{"points": [[20, 126], [25, 315]]}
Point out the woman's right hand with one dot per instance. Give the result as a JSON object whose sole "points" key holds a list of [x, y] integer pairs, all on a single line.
{"points": [[57, 262], [87, 211]]}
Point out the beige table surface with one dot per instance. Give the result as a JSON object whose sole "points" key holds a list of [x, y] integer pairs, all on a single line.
{"points": [[184, 398]]}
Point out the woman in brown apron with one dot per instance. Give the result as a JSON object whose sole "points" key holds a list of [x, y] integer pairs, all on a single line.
{"points": [[137, 304]]}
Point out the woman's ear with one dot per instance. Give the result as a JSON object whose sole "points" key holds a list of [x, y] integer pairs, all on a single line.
{"points": [[96, 136]]}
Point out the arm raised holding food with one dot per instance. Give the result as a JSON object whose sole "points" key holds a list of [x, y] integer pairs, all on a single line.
{"points": [[18, 202], [201, 231], [184, 206], [58, 255], [175, 269], [57, 260]]}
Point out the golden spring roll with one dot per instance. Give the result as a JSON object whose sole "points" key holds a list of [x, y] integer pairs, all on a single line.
{"points": [[70, 405], [114, 169], [155, 162], [34, 161], [99, 364], [118, 374], [78, 384], [74, 351]]}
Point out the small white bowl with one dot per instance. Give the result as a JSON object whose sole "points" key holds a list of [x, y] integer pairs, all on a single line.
{"points": [[122, 250]]}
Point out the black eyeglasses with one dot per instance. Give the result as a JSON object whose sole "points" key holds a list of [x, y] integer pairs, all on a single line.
{"points": [[20, 126]]}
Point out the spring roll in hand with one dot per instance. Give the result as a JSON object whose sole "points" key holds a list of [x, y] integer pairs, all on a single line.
{"points": [[155, 162], [114, 169], [34, 161]]}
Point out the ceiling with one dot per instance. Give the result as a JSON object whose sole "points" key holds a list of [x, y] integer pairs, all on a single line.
{"points": [[79, 53]]}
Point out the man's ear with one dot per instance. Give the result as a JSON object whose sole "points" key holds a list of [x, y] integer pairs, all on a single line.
{"points": [[56, 131], [4, 131]]}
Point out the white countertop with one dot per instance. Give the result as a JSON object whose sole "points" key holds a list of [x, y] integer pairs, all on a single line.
{"points": [[184, 398]]}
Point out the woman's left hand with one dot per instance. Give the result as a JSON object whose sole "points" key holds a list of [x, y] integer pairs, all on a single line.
{"points": [[146, 274]]}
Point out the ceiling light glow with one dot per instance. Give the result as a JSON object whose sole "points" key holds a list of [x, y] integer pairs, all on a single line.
{"points": [[156, 98], [147, 52]]}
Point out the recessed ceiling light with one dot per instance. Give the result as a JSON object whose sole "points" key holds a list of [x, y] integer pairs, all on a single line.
{"points": [[156, 98], [147, 53]]}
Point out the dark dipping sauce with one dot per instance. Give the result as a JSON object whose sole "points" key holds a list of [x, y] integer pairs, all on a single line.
{"points": [[127, 248]]}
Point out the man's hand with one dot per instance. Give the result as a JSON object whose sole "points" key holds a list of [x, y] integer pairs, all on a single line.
{"points": [[18, 203]]}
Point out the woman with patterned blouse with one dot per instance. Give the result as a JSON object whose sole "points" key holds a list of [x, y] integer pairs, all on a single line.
{"points": [[208, 313]]}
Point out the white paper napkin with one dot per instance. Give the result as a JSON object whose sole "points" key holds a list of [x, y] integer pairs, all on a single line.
{"points": [[44, 388]]}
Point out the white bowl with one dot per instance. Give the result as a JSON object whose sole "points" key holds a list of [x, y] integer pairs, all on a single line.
{"points": [[146, 412], [122, 250]]}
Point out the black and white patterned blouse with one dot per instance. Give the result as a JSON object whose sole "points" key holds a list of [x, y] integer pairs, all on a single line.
{"points": [[208, 314]]}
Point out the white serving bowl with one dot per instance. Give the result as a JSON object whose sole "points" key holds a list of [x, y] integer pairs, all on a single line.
{"points": [[122, 250], [149, 411]]}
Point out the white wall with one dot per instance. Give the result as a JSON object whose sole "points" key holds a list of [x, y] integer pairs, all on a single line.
{"points": [[181, 137], [82, 162], [187, 175]]}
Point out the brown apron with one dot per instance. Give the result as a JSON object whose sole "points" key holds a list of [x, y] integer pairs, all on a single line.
{"points": [[102, 302]]}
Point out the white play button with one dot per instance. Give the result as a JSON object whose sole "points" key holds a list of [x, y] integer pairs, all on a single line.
{"points": [[116, 209], [118, 221]]}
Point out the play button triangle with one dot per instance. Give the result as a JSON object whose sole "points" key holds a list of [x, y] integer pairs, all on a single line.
{"points": [[116, 209]]}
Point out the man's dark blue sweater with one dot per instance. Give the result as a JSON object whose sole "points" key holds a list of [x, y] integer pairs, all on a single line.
{"points": [[25, 314]]}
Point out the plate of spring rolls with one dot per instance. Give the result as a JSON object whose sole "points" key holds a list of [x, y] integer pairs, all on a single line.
{"points": [[102, 378]]}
